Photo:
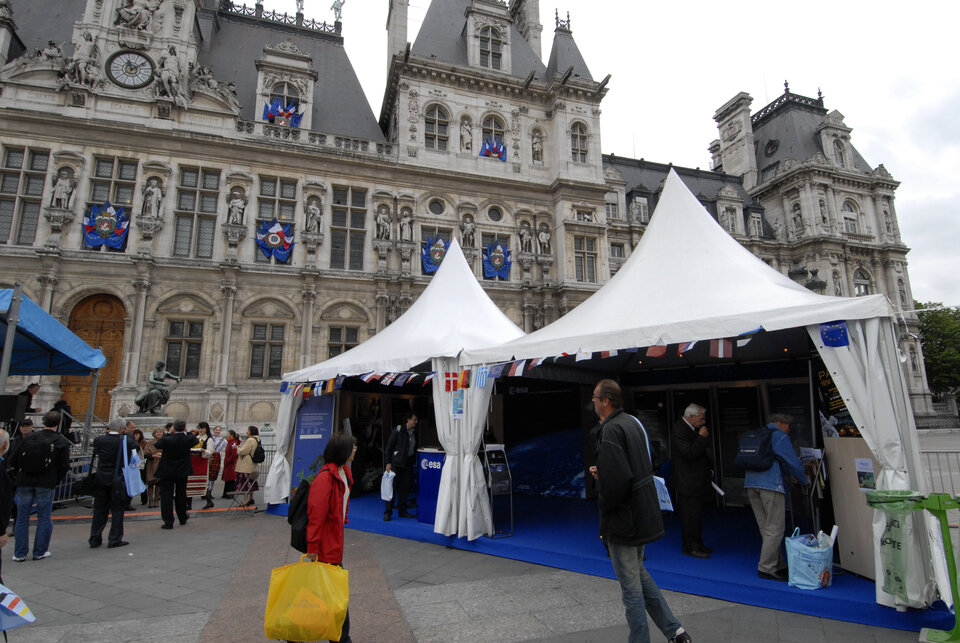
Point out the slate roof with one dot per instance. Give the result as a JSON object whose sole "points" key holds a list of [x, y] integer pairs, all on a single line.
{"points": [[339, 104], [793, 126], [565, 54], [443, 37], [41, 20]]}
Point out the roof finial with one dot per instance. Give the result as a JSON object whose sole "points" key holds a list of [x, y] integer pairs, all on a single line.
{"points": [[819, 94], [786, 87], [561, 24]]}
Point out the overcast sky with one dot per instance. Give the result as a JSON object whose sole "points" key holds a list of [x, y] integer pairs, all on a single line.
{"points": [[890, 69]]}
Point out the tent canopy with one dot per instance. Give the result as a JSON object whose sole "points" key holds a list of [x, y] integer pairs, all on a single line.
{"points": [[453, 313], [687, 280], [44, 346]]}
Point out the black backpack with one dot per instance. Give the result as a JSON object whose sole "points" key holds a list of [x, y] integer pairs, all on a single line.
{"points": [[35, 456], [755, 452], [258, 455], [297, 516]]}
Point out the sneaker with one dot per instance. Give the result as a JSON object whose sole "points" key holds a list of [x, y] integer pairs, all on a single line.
{"points": [[681, 637], [46, 554], [19, 559]]}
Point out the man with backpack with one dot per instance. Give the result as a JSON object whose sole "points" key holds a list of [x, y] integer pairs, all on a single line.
{"points": [[766, 491], [40, 463]]}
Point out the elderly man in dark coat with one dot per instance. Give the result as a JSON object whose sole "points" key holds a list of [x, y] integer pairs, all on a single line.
{"points": [[692, 454], [109, 489], [173, 470]]}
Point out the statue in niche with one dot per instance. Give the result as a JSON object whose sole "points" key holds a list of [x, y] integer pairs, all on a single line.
{"points": [[236, 204], [823, 212], [903, 294], [468, 231], [797, 223], [83, 68], [136, 14], [63, 187], [313, 212], [543, 238], [299, 6], [152, 399], [383, 223], [406, 225], [526, 237], [152, 198], [777, 229], [536, 147], [337, 7], [837, 287], [168, 80], [466, 136]]}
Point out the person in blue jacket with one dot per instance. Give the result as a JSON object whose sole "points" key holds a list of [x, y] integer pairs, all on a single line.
{"points": [[766, 491]]}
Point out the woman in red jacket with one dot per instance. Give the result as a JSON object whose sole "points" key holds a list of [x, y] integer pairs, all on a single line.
{"points": [[327, 507]]}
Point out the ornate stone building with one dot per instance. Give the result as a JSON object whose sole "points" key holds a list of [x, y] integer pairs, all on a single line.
{"points": [[273, 221]]}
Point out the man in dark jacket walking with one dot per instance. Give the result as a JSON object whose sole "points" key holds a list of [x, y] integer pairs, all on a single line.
{"points": [[109, 490], [629, 512], [401, 456], [40, 463], [692, 453], [173, 470]]}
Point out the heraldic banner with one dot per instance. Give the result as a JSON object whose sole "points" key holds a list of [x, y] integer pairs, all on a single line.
{"points": [[434, 250], [104, 225], [496, 262], [275, 240]]}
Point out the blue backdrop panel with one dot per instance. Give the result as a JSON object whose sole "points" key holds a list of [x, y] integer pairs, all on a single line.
{"points": [[549, 465], [314, 428], [430, 466]]}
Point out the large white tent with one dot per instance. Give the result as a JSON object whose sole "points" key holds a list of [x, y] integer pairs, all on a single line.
{"points": [[452, 314], [689, 280]]}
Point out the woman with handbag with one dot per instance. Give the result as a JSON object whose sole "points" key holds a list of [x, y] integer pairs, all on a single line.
{"points": [[327, 507], [246, 467], [151, 456]]}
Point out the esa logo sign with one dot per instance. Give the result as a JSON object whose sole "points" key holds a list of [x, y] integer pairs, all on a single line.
{"points": [[430, 464]]}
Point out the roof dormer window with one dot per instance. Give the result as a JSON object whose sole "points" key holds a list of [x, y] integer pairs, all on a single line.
{"points": [[491, 48]]}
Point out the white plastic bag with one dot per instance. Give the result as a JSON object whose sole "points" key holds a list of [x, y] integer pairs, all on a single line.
{"points": [[386, 485]]}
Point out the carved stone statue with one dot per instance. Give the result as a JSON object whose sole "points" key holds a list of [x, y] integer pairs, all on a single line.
{"points": [[526, 237], [543, 237], [6, 11], [537, 147], [383, 222], [152, 399], [406, 225], [299, 6], [837, 288], [83, 69], [152, 198], [51, 52], [337, 7], [137, 14], [797, 224], [466, 136], [203, 77], [468, 231], [236, 204], [63, 187], [313, 213], [168, 80]]}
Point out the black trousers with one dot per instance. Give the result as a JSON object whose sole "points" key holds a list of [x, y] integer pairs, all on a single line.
{"points": [[401, 490], [170, 488], [690, 509], [105, 502]]}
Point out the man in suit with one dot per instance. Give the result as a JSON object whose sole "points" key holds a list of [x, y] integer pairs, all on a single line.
{"points": [[692, 453], [109, 489], [401, 455], [173, 470]]}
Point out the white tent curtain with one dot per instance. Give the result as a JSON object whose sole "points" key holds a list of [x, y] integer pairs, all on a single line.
{"points": [[476, 516], [868, 376], [448, 496], [277, 487]]}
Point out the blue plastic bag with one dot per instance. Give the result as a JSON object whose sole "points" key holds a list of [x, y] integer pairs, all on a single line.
{"points": [[810, 563]]}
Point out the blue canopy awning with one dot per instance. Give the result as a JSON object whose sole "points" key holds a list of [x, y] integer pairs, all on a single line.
{"points": [[44, 346]]}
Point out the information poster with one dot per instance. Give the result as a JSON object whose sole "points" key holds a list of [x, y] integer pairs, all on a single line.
{"points": [[866, 478], [832, 407], [457, 408], [313, 431]]}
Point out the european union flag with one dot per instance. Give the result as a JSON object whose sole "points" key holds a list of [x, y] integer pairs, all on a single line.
{"points": [[834, 334]]}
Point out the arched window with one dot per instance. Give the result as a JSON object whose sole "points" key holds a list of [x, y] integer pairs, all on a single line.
{"points": [[861, 283], [578, 142], [491, 48], [850, 217], [287, 96], [838, 152], [435, 128], [492, 129]]}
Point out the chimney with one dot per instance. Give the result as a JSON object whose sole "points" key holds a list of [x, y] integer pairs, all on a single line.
{"points": [[396, 29]]}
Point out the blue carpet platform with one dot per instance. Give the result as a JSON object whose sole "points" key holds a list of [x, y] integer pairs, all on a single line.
{"points": [[562, 533]]}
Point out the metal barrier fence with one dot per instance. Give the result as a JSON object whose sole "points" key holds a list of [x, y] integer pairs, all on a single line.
{"points": [[69, 490], [943, 475]]}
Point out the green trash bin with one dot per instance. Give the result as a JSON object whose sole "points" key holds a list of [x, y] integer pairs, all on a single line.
{"points": [[896, 505]]}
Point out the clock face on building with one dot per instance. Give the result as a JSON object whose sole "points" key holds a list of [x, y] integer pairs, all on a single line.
{"points": [[130, 69]]}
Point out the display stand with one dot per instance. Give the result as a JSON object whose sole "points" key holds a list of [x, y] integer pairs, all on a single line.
{"points": [[499, 483]]}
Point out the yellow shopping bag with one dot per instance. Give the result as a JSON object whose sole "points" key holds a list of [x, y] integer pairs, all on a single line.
{"points": [[307, 602]]}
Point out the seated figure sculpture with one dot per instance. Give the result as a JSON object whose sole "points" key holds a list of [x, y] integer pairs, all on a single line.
{"points": [[152, 399]]}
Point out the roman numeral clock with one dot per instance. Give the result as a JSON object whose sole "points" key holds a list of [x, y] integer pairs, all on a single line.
{"points": [[130, 69]]}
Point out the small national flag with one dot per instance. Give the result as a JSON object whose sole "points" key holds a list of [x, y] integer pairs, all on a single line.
{"points": [[834, 334], [657, 351], [631, 350], [465, 378], [338, 383], [297, 389], [412, 377], [537, 362], [721, 348], [684, 347], [388, 379], [480, 379], [451, 381], [497, 370], [428, 378], [516, 369], [284, 386], [401, 379], [744, 338], [606, 354], [307, 389], [583, 355], [368, 377], [328, 386]]}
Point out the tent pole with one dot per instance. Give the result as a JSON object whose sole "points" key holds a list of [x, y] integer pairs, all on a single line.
{"points": [[13, 318], [88, 421]]}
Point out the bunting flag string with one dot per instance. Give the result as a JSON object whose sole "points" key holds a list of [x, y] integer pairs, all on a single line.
{"points": [[721, 348], [834, 334], [516, 369], [451, 381], [497, 370], [428, 378], [480, 380], [465, 378], [657, 351], [684, 347]]}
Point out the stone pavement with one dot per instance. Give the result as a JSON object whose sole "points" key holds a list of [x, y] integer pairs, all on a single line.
{"points": [[207, 581]]}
